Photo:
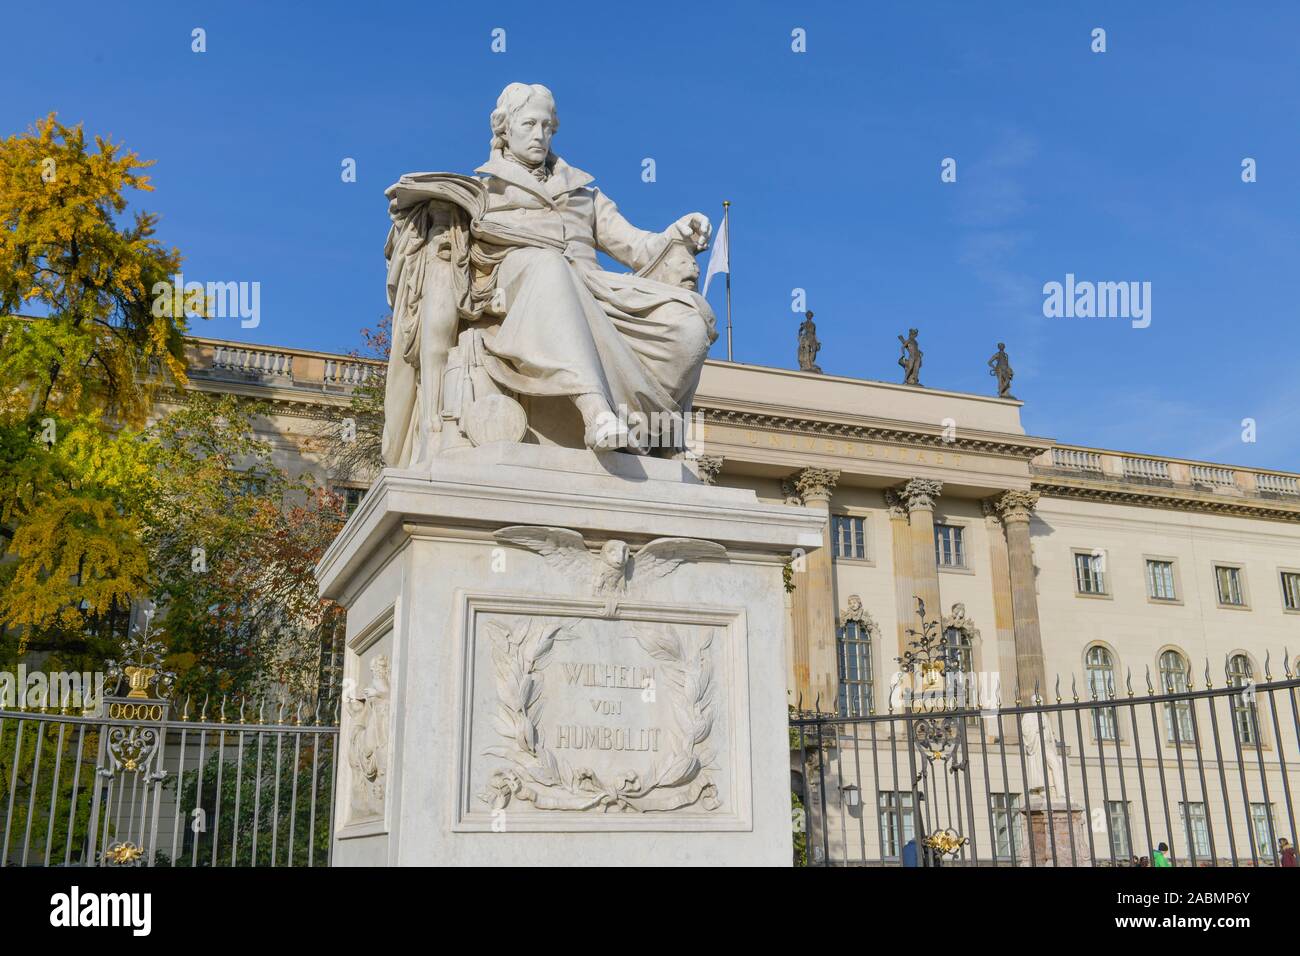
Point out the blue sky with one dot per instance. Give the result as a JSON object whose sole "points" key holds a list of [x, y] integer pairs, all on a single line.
{"points": [[1120, 166]]}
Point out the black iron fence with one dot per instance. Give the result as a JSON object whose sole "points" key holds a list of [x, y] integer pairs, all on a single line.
{"points": [[244, 784], [1210, 774]]}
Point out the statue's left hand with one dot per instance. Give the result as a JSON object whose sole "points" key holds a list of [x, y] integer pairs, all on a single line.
{"points": [[695, 229]]}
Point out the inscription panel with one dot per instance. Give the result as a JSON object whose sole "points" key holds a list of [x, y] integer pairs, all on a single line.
{"points": [[592, 715]]}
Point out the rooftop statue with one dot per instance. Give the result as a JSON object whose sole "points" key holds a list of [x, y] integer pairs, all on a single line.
{"points": [[808, 345], [910, 360], [498, 297], [1000, 368]]}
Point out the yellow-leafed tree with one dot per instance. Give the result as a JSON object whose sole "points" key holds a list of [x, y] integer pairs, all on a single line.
{"points": [[82, 352]]}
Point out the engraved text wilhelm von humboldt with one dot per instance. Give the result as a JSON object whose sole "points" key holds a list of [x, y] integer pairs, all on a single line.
{"points": [[603, 736]]}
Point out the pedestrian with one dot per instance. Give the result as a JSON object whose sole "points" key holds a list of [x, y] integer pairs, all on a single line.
{"points": [[1161, 856], [909, 853], [1287, 852]]}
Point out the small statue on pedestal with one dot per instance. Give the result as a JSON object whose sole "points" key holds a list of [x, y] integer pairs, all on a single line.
{"points": [[910, 360], [1000, 367], [808, 345]]}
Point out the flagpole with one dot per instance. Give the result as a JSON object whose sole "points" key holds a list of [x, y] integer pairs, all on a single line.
{"points": [[726, 212]]}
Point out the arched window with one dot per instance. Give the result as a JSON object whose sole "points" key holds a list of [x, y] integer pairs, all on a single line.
{"points": [[854, 644], [1244, 718], [1101, 685], [1178, 713]]}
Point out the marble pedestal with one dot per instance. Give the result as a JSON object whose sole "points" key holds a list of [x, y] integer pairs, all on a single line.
{"points": [[550, 708], [1064, 819]]}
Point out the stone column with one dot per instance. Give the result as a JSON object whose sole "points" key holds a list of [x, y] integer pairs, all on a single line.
{"points": [[1003, 609], [815, 665], [900, 536], [1016, 508], [919, 493]]}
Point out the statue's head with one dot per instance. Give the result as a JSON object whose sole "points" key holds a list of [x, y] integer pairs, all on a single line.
{"points": [[675, 265], [524, 122], [1002, 346]]}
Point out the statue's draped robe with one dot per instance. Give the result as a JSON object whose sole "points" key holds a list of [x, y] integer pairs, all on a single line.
{"points": [[569, 327]]}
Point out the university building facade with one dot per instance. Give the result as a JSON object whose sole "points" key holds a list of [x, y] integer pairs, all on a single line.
{"points": [[1058, 571]]}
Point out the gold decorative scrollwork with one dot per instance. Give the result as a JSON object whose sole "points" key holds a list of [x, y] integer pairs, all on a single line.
{"points": [[124, 854], [946, 842]]}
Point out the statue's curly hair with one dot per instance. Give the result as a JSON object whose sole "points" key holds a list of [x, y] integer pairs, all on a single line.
{"points": [[512, 99]]}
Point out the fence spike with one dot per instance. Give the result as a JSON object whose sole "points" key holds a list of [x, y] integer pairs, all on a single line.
{"points": [[817, 704], [1074, 688], [261, 709], [1150, 690], [1208, 683], [1268, 674], [1128, 680], [315, 714], [222, 716], [185, 712], [1058, 688], [1038, 699], [1286, 662], [297, 714], [798, 704], [242, 702], [203, 714]]}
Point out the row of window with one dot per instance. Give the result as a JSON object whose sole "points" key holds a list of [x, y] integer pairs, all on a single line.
{"points": [[1180, 727], [848, 536], [857, 684], [1161, 581], [849, 540], [898, 827]]}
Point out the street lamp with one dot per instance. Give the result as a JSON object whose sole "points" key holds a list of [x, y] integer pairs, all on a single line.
{"points": [[852, 796]]}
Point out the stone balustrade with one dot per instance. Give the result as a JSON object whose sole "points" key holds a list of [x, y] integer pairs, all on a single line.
{"points": [[1145, 470], [1076, 458], [348, 373], [1151, 469], [278, 367], [1270, 483]]}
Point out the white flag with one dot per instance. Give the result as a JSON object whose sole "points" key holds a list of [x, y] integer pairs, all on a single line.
{"points": [[719, 256]]}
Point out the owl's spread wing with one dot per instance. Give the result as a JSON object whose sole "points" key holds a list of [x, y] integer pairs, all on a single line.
{"points": [[663, 556], [563, 549]]}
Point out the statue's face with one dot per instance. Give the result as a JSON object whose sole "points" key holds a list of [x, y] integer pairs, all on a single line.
{"points": [[528, 135], [678, 268]]}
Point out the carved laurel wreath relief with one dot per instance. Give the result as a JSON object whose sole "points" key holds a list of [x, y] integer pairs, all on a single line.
{"points": [[521, 652]]}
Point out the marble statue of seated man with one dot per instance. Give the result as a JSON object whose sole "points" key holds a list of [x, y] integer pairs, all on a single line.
{"points": [[617, 345]]}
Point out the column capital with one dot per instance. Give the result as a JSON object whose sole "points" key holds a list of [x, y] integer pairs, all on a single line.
{"points": [[709, 467], [989, 506], [816, 483], [1017, 505], [919, 493], [789, 492], [895, 504]]}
